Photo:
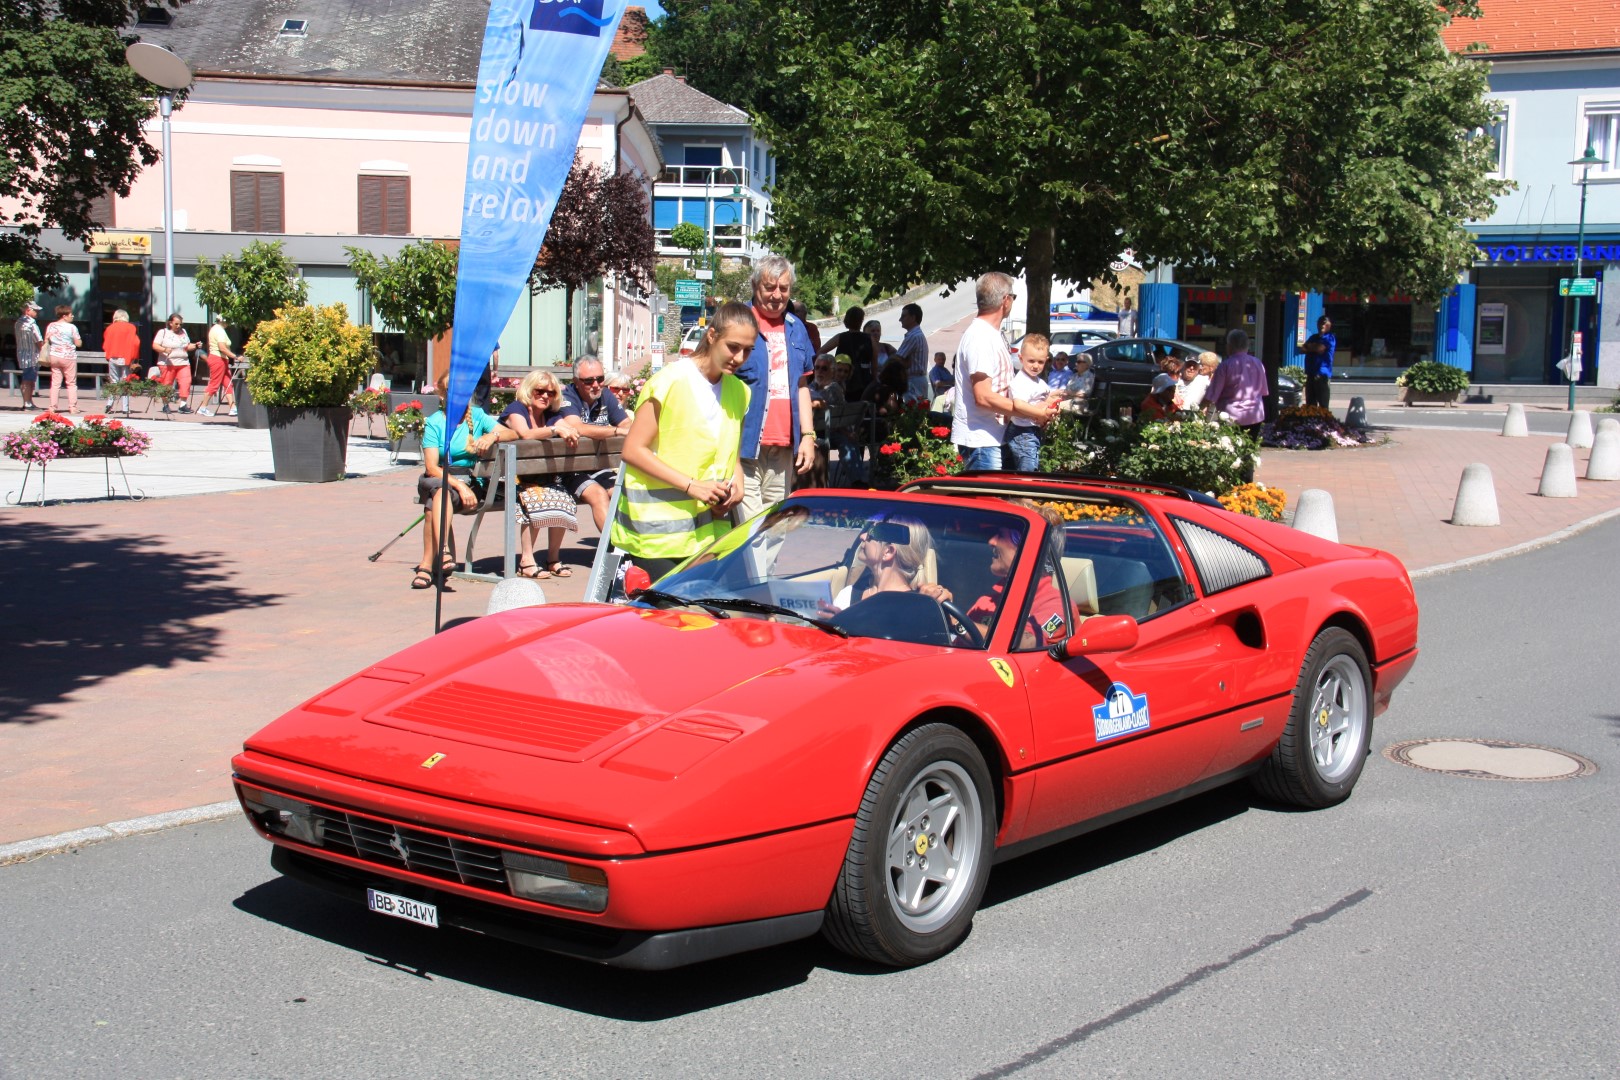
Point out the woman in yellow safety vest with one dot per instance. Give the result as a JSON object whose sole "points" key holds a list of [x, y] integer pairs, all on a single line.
{"points": [[682, 474]]}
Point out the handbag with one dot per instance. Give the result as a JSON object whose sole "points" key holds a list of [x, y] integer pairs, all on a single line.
{"points": [[548, 506]]}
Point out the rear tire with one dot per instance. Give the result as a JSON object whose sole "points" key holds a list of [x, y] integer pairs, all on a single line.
{"points": [[920, 853], [1323, 749]]}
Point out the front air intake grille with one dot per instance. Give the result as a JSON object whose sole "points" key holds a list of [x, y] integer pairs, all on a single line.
{"points": [[433, 854], [1222, 563]]}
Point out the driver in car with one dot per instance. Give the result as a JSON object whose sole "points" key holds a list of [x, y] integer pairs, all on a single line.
{"points": [[893, 552], [1047, 623]]}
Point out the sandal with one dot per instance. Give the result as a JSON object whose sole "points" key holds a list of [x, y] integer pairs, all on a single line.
{"points": [[533, 570], [423, 578], [557, 569]]}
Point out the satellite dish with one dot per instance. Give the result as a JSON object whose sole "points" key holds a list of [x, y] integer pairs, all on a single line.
{"points": [[158, 66]]}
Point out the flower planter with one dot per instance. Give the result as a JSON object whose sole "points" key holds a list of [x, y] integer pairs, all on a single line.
{"points": [[248, 414], [410, 444], [1429, 397], [309, 446]]}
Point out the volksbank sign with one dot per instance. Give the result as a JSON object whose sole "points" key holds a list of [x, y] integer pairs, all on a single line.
{"points": [[1603, 250]]}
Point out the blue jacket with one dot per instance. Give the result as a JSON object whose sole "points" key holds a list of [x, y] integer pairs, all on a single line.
{"points": [[756, 371]]}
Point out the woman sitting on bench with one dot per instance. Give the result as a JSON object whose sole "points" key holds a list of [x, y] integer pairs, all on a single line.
{"points": [[536, 412], [477, 432]]}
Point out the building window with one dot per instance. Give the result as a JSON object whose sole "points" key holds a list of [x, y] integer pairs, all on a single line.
{"points": [[104, 210], [1603, 136], [1499, 131], [385, 205], [256, 202]]}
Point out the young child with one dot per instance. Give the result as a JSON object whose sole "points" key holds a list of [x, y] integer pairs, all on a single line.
{"points": [[1022, 451]]}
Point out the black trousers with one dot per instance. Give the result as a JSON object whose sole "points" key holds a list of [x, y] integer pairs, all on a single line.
{"points": [[1318, 390]]}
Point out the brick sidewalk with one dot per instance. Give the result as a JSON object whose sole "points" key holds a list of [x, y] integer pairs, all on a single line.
{"points": [[143, 641]]}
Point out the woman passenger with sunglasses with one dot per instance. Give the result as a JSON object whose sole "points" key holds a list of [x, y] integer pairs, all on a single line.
{"points": [[893, 554], [537, 412]]}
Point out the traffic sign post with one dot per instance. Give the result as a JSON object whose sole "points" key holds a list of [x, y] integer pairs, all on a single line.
{"points": [[689, 292], [1579, 286]]}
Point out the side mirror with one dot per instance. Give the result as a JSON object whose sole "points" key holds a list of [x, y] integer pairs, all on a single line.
{"points": [[1099, 634], [636, 581]]}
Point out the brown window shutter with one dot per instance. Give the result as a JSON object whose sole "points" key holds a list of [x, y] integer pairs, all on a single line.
{"points": [[371, 205], [271, 196], [103, 210], [397, 205], [244, 202]]}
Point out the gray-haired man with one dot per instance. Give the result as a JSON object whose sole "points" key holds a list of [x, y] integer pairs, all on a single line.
{"points": [[777, 437]]}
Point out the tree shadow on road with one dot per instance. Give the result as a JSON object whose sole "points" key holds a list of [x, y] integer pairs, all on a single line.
{"points": [[78, 607]]}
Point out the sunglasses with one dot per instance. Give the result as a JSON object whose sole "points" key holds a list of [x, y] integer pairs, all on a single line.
{"points": [[887, 532], [545, 393], [592, 380]]}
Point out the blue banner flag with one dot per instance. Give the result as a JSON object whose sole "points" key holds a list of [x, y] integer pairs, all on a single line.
{"points": [[536, 75]]}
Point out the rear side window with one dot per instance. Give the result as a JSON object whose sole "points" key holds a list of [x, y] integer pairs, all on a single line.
{"points": [[1222, 563]]}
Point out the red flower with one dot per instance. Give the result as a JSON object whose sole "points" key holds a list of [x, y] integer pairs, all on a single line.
{"points": [[889, 448], [98, 418], [959, 459], [414, 404], [115, 425], [940, 432], [941, 470], [132, 377]]}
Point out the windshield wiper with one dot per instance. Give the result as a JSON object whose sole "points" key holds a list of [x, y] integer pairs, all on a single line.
{"points": [[654, 596], [760, 607]]}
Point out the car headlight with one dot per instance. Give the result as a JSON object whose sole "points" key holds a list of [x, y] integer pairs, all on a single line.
{"points": [[282, 816], [552, 881]]}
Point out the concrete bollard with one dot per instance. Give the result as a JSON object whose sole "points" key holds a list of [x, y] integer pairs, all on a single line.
{"points": [[1476, 498], [1516, 426], [1356, 415], [1314, 514], [1558, 473], [514, 592], [1604, 464], [1580, 430]]}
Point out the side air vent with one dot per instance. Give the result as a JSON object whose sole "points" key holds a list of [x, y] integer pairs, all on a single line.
{"points": [[1222, 563]]}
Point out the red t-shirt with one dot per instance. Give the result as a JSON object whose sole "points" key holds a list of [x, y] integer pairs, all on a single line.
{"points": [[778, 429], [120, 342]]}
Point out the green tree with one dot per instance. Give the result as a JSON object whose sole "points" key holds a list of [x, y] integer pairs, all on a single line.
{"points": [[415, 291], [689, 236], [732, 50], [1330, 146], [15, 289], [71, 116], [251, 287]]}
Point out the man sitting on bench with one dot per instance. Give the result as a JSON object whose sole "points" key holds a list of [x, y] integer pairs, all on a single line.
{"points": [[597, 415]]}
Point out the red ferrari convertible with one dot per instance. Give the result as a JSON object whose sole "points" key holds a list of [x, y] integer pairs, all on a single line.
{"points": [[836, 719]]}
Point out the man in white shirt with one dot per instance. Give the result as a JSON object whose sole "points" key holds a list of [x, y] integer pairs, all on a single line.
{"points": [[914, 351], [984, 373], [1127, 318]]}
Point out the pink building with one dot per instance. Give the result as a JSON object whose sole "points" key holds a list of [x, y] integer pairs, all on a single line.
{"points": [[326, 132]]}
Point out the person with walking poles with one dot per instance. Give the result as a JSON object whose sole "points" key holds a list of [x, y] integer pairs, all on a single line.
{"points": [[683, 470], [220, 358]]}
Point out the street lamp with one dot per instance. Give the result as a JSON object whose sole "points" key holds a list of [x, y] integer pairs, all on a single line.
{"points": [[1585, 161], [163, 69]]}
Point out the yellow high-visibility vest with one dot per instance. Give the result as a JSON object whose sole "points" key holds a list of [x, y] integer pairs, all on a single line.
{"points": [[657, 521]]}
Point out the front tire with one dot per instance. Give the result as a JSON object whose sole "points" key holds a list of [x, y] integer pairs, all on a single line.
{"points": [[920, 853], [1320, 756]]}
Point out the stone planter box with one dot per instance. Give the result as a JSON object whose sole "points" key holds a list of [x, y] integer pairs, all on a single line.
{"points": [[249, 414], [309, 446], [1412, 397]]}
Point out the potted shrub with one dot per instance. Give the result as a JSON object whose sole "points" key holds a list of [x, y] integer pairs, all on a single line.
{"points": [[305, 365], [405, 426], [1431, 382]]}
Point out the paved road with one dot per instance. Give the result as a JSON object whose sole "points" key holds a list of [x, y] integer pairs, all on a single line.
{"points": [[1540, 420], [1431, 926]]}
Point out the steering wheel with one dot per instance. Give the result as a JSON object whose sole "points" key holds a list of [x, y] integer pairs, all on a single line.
{"points": [[969, 629]]}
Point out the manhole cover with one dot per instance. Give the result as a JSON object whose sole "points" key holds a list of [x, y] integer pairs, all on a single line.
{"points": [[1489, 759]]}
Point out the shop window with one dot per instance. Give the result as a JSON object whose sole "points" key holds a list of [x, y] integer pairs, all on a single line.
{"points": [[257, 200], [385, 205], [104, 210], [1603, 136]]}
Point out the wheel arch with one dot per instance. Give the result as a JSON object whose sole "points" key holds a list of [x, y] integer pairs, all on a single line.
{"points": [[1355, 626], [975, 728]]}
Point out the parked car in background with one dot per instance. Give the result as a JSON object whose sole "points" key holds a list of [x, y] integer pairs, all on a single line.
{"points": [[1125, 368], [1066, 310], [1071, 338], [690, 339]]}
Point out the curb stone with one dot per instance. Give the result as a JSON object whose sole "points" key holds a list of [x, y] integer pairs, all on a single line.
{"points": [[26, 850]]}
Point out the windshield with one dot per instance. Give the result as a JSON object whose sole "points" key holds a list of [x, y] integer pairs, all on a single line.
{"points": [[893, 568]]}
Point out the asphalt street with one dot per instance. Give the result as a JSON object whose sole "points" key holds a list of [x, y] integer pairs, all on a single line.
{"points": [[1433, 925]]}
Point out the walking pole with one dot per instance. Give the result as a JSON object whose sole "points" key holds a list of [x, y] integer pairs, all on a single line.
{"points": [[378, 553]]}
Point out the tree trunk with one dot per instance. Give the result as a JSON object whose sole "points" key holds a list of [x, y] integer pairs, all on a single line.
{"points": [[1234, 309], [1038, 256]]}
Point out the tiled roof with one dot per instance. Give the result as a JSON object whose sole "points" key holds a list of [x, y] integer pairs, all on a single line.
{"points": [[667, 99], [1511, 27], [631, 40], [389, 40]]}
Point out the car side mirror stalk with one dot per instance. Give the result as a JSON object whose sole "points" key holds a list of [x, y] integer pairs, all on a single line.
{"points": [[1098, 634]]}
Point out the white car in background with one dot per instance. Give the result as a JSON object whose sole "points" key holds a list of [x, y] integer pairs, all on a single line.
{"points": [[1071, 339], [690, 339]]}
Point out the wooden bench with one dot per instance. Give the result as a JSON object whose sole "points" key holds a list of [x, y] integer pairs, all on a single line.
{"points": [[94, 361], [529, 459]]}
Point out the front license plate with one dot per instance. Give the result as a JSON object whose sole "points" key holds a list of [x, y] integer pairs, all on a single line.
{"points": [[403, 907]]}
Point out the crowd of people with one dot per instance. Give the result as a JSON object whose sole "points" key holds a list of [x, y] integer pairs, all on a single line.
{"points": [[57, 346]]}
